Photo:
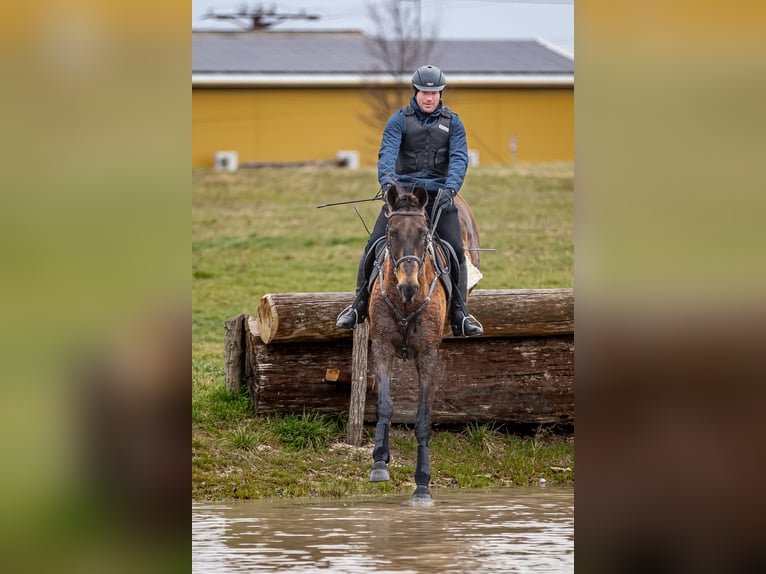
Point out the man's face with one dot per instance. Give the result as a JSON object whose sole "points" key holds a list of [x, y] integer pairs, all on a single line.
{"points": [[427, 100]]}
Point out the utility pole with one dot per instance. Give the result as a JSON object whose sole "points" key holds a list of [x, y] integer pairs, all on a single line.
{"points": [[259, 18]]}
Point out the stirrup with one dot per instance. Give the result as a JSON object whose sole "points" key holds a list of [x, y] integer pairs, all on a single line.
{"points": [[347, 313], [460, 330]]}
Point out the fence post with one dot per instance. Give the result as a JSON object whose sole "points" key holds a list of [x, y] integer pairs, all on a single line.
{"points": [[358, 384], [234, 349]]}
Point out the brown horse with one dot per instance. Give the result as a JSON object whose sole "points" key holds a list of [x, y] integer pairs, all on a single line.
{"points": [[408, 314]]}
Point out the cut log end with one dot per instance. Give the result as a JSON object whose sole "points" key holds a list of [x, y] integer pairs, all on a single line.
{"points": [[268, 319]]}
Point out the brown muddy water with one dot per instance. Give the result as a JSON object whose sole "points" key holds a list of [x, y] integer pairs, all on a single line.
{"points": [[510, 530]]}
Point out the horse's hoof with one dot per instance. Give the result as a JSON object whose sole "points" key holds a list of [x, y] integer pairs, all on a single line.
{"points": [[422, 496], [421, 493], [379, 472]]}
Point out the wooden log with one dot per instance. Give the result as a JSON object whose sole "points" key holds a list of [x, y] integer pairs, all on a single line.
{"points": [[289, 377], [523, 312], [503, 312], [522, 380], [302, 316], [234, 353], [358, 384]]}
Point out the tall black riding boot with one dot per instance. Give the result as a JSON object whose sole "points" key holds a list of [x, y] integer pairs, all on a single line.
{"points": [[357, 312], [463, 324]]}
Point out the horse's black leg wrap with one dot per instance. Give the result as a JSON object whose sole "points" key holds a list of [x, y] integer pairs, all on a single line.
{"points": [[422, 474], [380, 455], [381, 451], [423, 468]]}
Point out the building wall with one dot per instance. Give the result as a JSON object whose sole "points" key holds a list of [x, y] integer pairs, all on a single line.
{"points": [[541, 121], [301, 124]]}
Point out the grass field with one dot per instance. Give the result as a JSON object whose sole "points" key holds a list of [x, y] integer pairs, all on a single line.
{"points": [[259, 231]]}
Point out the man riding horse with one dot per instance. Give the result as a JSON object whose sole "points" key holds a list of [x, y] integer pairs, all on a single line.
{"points": [[423, 145]]}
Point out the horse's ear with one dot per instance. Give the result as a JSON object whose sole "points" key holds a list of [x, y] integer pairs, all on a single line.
{"points": [[392, 196], [421, 195]]}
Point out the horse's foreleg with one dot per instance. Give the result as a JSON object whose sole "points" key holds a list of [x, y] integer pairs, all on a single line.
{"points": [[382, 359], [426, 368], [423, 465], [380, 455]]}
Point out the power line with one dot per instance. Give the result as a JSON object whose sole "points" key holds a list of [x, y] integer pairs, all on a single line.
{"points": [[563, 2]]}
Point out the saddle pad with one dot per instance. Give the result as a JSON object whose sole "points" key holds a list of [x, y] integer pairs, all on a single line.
{"points": [[474, 275]]}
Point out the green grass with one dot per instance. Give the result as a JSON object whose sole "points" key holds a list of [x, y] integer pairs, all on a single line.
{"points": [[299, 432], [259, 231], [483, 437]]}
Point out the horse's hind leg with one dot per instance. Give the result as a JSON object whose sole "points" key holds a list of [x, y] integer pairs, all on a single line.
{"points": [[426, 368], [382, 359]]}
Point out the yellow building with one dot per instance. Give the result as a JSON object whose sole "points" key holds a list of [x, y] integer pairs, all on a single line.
{"points": [[310, 97]]}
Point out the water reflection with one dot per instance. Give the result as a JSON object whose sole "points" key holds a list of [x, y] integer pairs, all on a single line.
{"points": [[510, 530]]}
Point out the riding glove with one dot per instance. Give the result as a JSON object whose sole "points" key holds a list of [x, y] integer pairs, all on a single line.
{"points": [[445, 198]]}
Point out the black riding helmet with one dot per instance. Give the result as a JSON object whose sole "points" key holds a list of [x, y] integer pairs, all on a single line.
{"points": [[428, 79]]}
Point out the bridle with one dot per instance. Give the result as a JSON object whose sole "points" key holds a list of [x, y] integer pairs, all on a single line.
{"points": [[427, 251]]}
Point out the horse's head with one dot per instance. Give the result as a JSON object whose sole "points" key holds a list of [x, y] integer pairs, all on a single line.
{"points": [[407, 237]]}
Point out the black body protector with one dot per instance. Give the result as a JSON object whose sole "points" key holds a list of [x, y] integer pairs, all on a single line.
{"points": [[425, 150]]}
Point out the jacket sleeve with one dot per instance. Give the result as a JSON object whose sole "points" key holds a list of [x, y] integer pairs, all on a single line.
{"points": [[458, 154], [389, 148]]}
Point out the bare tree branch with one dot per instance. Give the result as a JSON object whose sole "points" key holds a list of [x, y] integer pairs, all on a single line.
{"points": [[399, 46]]}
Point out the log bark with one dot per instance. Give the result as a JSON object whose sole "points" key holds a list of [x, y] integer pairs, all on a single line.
{"points": [[503, 312], [523, 312], [234, 353], [302, 316], [251, 334], [290, 377], [358, 384], [524, 380]]}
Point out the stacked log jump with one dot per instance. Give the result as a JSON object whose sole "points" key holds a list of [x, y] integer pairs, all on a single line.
{"points": [[293, 359]]}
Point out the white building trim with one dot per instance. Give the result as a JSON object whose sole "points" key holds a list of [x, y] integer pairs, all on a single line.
{"points": [[202, 80]]}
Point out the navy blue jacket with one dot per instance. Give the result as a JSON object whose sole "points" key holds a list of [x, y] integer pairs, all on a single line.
{"points": [[395, 131]]}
